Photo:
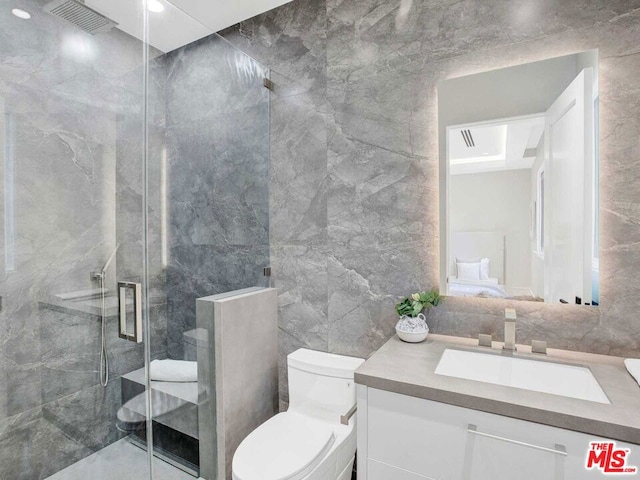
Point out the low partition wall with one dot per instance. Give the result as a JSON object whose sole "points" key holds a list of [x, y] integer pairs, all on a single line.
{"points": [[237, 355]]}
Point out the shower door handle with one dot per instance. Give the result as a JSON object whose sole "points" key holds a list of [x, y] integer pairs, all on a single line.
{"points": [[135, 290]]}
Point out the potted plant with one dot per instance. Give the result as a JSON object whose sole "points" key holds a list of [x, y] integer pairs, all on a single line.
{"points": [[412, 326]]}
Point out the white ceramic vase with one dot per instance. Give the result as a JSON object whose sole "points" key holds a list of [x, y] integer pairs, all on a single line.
{"points": [[412, 330]]}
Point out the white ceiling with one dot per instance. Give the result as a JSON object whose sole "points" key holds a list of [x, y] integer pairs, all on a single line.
{"points": [[495, 146], [182, 21], [484, 143], [220, 14]]}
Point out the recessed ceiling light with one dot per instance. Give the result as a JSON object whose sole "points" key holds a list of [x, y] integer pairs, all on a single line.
{"points": [[155, 6], [21, 14], [485, 153]]}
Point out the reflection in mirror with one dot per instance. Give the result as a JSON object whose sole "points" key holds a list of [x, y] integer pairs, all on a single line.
{"points": [[519, 178]]}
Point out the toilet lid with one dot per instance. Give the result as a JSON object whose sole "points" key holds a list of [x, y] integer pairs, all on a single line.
{"points": [[285, 447]]}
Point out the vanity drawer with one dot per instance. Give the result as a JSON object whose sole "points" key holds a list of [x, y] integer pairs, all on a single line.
{"points": [[382, 471], [446, 442], [414, 434]]}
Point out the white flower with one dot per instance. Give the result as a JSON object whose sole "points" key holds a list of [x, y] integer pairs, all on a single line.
{"points": [[416, 296]]}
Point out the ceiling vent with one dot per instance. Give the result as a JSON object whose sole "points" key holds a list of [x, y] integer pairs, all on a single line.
{"points": [[78, 14], [468, 139]]}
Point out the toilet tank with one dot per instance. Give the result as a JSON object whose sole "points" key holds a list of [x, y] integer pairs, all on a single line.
{"points": [[321, 384]]}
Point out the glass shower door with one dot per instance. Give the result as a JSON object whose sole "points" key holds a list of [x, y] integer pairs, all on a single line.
{"points": [[72, 144], [208, 229], [134, 179]]}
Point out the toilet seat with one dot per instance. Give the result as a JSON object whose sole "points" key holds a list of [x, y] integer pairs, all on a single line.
{"points": [[286, 447]]}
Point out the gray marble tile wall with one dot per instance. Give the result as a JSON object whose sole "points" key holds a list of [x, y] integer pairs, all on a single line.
{"points": [[292, 41], [62, 96], [354, 161], [353, 217], [217, 144]]}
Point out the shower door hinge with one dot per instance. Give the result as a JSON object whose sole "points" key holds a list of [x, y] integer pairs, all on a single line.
{"points": [[268, 84]]}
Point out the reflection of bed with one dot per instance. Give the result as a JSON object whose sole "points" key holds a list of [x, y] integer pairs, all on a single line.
{"points": [[476, 288], [478, 245], [483, 245]]}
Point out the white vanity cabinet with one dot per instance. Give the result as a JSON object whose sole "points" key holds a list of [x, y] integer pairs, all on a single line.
{"points": [[408, 438]]}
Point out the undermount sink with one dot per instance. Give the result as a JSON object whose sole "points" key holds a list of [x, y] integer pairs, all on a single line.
{"points": [[539, 376]]}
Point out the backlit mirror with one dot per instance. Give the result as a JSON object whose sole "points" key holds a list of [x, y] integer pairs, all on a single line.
{"points": [[519, 182]]}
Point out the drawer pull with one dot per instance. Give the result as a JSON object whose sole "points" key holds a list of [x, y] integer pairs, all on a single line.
{"points": [[344, 419], [558, 450]]}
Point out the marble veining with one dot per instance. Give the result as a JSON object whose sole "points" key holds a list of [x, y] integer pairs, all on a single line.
{"points": [[363, 75], [217, 144], [344, 205], [62, 113]]}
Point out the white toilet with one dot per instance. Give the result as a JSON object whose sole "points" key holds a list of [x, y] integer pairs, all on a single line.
{"points": [[307, 442]]}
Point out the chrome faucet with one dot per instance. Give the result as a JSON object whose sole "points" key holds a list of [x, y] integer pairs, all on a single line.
{"points": [[510, 329]]}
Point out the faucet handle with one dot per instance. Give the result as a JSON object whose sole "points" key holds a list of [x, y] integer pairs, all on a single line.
{"points": [[510, 329], [539, 346]]}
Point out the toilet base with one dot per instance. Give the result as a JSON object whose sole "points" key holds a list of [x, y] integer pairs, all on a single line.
{"points": [[347, 472]]}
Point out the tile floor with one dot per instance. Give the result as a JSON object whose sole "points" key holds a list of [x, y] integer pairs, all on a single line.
{"points": [[120, 460]]}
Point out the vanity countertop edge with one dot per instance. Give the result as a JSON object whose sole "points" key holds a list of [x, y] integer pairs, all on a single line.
{"points": [[408, 369]]}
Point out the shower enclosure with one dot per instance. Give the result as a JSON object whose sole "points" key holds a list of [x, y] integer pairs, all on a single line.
{"points": [[133, 181]]}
